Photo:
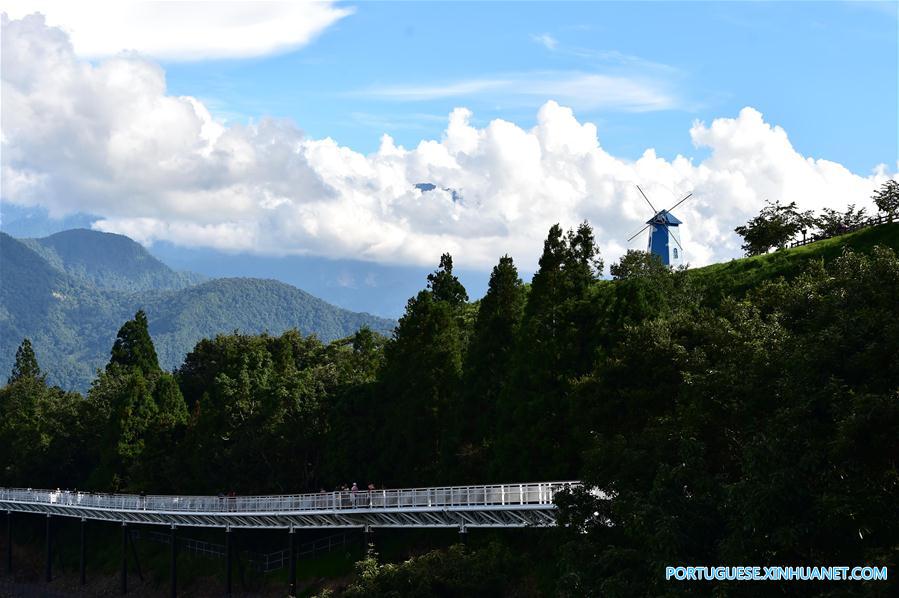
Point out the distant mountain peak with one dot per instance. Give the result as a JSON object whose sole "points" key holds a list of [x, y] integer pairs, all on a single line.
{"points": [[109, 261], [426, 187]]}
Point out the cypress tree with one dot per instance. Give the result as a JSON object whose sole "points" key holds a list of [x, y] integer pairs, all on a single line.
{"points": [[423, 369], [488, 363], [554, 346], [444, 285], [133, 346], [26, 365]]}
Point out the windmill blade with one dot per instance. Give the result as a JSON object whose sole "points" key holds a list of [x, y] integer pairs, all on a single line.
{"points": [[654, 210], [637, 233], [670, 236], [680, 202]]}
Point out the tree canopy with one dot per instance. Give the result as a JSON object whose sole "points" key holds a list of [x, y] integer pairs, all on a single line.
{"points": [[887, 197], [775, 225]]}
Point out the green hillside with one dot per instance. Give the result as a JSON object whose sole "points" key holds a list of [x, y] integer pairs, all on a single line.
{"points": [[739, 275], [70, 300]]}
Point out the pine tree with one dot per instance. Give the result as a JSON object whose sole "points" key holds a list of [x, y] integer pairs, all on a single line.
{"points": [[582, 260], [172, 410], [133, 346], [554, 347], [421, 377], [444, 285], [26, 365], [547, 286], [488, 365]]}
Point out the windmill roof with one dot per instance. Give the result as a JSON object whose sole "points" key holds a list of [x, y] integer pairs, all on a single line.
{"points": [[665, 217]]}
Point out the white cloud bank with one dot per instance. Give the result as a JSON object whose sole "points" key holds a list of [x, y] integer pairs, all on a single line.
{"points": [[106, 139], [184, 30]]}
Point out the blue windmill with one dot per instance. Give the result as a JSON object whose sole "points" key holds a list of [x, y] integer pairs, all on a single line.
{"points": [[663, 229]]}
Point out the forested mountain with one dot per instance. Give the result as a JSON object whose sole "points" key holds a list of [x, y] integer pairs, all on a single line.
{"points": [[71, 291], [109, 261], [251, 305]]}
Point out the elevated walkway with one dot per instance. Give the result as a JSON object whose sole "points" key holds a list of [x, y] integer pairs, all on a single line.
{"points": [[488, 506]]}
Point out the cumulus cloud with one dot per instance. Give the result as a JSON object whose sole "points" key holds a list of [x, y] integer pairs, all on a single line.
{"points": [[185, 30], [107, 139]]}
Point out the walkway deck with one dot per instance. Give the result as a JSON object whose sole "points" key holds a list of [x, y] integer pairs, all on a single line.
{"points": [[496, 506]]}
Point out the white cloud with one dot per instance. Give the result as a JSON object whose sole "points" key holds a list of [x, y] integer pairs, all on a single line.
{"points": [[106, 139], [184, 30], [583, 91], [546, 40]]}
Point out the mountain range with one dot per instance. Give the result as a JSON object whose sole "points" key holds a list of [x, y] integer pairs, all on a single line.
{"points": [[354, 284], [71, 291]]}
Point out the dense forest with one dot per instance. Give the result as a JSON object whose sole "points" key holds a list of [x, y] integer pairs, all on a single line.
{"points": [[727, 418]]}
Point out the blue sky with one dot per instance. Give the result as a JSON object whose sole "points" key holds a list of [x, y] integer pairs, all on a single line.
{"points": [[825, 71], [287, 140]]}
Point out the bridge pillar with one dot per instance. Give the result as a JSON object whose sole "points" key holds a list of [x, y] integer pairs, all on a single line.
{"points": [[9, 542], [463, 535], [367, 538], [48, 571], [173, 563], [292, 555], [124, 577], [228, 561], [81, 562]]}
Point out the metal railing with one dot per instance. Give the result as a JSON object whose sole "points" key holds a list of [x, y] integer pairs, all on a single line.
{"points": [[496, 495]]}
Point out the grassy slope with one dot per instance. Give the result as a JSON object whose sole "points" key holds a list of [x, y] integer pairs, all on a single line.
{"points": [[738, 276]]}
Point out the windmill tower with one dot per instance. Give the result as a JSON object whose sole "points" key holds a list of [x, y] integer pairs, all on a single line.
{"points": [[664, 234]]}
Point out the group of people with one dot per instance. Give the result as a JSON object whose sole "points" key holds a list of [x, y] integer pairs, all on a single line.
{"points": [[68, 497], [353, 495], [353, 488]]}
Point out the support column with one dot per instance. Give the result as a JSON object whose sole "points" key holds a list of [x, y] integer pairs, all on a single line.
{"points": [[81, 560], [124, 578], [9, 542], [136, 556], [48, 571], [367, 538], [292, 554], [463, 535], [228, 562], [173, 563]]}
